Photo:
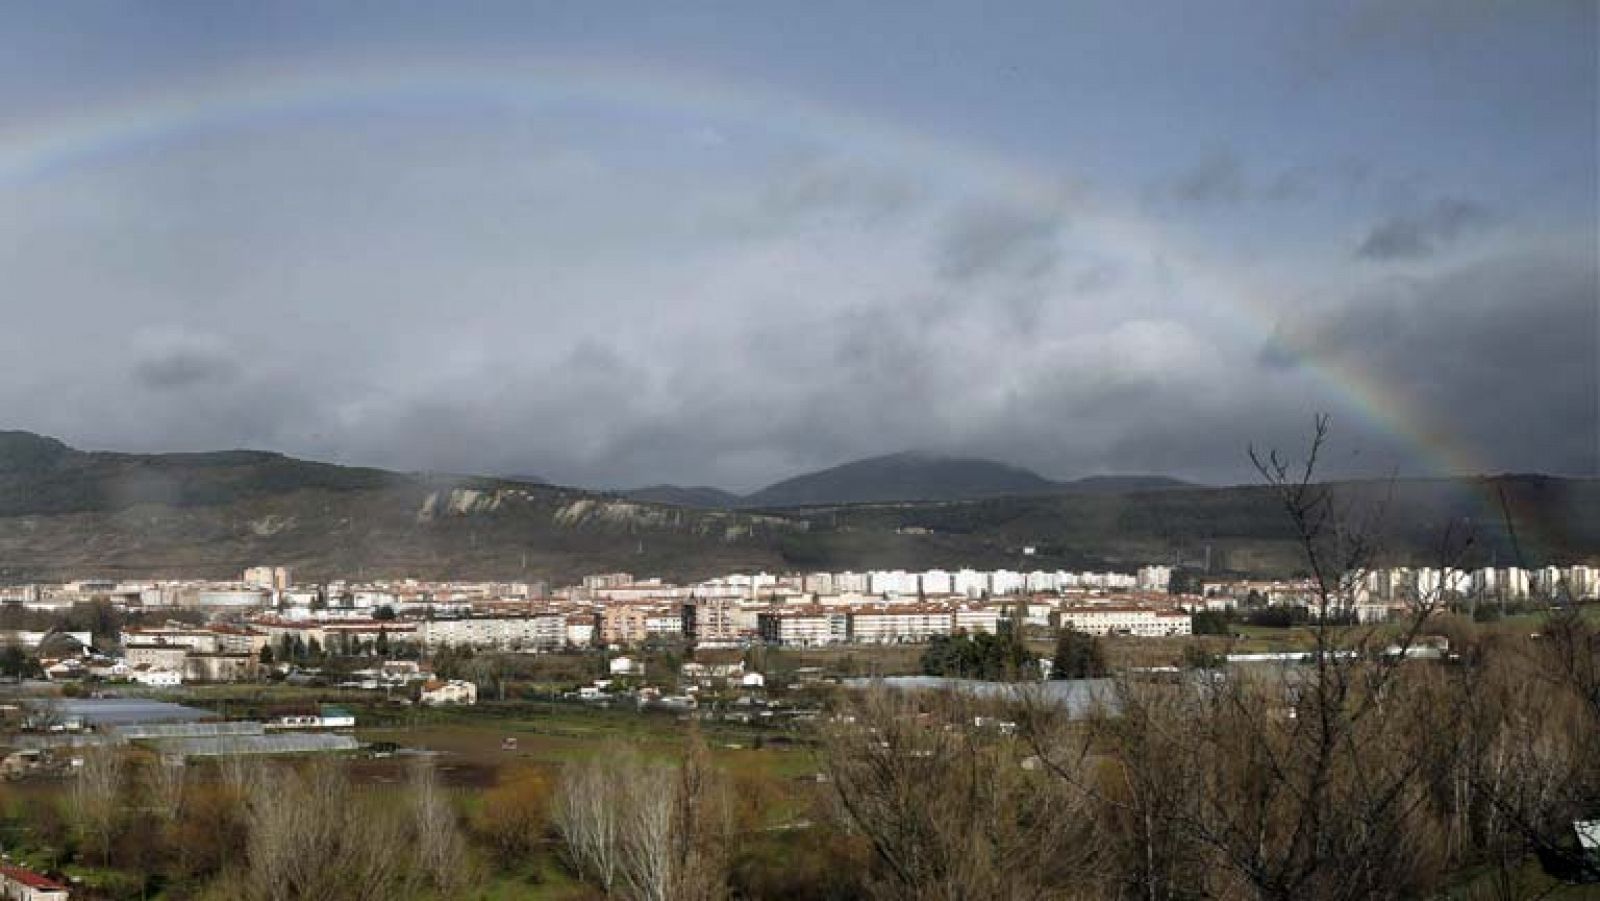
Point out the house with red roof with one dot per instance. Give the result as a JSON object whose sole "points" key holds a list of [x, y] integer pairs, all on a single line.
{"points": [[22, 884]]}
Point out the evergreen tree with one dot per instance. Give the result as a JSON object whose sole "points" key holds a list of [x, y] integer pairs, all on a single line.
{"points": [[1078, 656]]}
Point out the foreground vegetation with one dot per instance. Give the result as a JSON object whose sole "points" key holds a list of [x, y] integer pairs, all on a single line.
{"points": [[1364, 777]]}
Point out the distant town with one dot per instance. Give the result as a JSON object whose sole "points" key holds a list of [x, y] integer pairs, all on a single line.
{"points": [[237, 630]]}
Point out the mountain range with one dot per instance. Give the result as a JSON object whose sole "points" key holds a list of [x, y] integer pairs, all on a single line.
{"points": [[68, 513], [903, 477]]}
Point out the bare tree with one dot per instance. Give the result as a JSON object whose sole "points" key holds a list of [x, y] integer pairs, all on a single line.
{"points": [[96, 795], [1303, 782], [587, 817], [441, 848], [645, 794], [950, 811], [1530, 755], [701, 826], [647, 830], [164, 782], [311, 840]]}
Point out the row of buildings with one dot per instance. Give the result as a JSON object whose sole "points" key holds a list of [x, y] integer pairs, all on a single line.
{"points": [[1401, 585], [815, 625]]}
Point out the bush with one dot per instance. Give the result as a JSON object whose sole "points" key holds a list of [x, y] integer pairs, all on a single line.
{"points": [[515, 816]]}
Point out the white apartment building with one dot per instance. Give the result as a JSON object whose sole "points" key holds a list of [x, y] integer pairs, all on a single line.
{"points": [[1153, 578], [971, 583], [936, 581], [546, 631], [720, 588], [818, 583], [1583, 581], [711, 620], [271, 578], [888, 583], [232, 597], [665, 623], [580, 631], [1041, 581], [804, 628], [907, 624], [976, 619], [1515, 584], [850, 583], [1004, 581]]}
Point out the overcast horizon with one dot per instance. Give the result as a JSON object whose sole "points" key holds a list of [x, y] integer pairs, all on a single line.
{"points": [[725, 244]]}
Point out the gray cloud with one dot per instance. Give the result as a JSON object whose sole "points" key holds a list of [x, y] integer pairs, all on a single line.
{"points": [[1216, 179], [1424, 232], [174, 360], [583, 304], [998, 240]]}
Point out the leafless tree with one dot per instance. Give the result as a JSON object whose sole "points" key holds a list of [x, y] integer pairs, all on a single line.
{"points": [[647, 830], [701, 826], [1530, 759], [951, 811], [1301, 782], [96, 795], [645, 837], [164, 783], [311, 840], [441, 848], [587, 815]]}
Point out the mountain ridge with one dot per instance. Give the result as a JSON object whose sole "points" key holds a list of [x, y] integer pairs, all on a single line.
{"points": [[901, 477], [66, 513]]}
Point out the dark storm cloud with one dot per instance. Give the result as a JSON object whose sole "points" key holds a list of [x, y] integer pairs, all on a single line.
{"points": [[1499, 355], [1424, 232]]}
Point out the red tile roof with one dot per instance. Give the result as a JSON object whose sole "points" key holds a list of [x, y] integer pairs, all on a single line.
{"points": [[29, 878]]}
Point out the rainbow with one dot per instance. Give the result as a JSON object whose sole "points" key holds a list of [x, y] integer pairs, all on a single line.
{"points": [[35, 152]]}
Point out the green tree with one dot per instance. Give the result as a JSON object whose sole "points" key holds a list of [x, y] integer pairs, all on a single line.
{"points": [[1078, 656], [1211, 622], [15, 662], [998, 656]]}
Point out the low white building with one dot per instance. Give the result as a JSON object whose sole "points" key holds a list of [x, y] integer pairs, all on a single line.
{"points": [[156, 678], [1122, 620], [438, 694]]}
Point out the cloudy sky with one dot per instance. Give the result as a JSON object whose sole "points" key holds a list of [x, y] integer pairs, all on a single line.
{"points": [[720, 243]]}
